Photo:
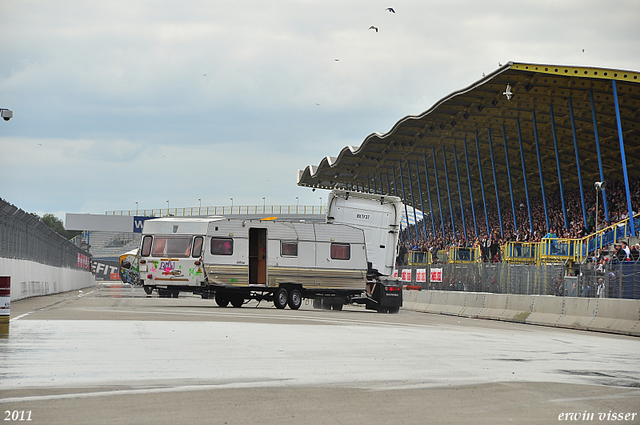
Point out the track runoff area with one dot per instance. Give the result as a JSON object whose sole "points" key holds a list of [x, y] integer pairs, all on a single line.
{"points": [[112, 354]]}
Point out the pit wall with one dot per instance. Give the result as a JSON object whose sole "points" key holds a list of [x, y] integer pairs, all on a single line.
{"points": [[621, 316], [31, 279]]}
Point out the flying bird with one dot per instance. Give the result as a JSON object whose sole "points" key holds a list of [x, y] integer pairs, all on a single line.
{"points": [[373, 28], [508, 92], [390, 9], [336, 60]]}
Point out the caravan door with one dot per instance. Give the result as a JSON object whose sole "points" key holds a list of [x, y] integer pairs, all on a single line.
{"points": [[258, 256]]}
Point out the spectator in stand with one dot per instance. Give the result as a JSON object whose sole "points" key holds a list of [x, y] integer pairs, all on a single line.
{"points": [[600, 291], [618, 255], [625, 248], [634, 253]]}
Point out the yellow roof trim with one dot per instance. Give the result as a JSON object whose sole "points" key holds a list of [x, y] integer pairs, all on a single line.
{"points": [[580, 71]]}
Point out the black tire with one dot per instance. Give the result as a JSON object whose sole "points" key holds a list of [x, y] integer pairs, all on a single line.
{"points": [[337, 306], [174, 294], [295, 299], [280, 298], [164, 293], [147, 289], [393, 310], [237, 302], [221, 300]]}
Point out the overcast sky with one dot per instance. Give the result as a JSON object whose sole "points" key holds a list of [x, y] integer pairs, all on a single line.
{"points": [[119, 102]]}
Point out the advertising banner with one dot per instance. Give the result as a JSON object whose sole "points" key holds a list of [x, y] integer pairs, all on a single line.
{"points": [[436, 275]]}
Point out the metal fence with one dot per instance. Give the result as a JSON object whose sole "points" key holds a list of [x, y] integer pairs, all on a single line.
{"points": [[228, 210], [23, 236], [611, 281]]}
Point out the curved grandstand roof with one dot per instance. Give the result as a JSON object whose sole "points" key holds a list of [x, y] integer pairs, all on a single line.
{"points": [[486, 111]]}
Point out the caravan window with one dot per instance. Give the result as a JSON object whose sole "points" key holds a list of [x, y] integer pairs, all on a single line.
{"points": [[197, 247], [221, 246], [172, 246], [289, 249], [340, 251], [146, 246]]}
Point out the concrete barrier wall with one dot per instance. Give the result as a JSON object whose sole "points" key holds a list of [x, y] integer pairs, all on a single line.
{"points": [[594, 314], [31, 279]]}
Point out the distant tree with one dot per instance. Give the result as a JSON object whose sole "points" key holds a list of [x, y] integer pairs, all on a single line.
{"points": [[55, 224]]}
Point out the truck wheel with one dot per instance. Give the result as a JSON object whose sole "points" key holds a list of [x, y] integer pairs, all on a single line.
{"points": [[295, 299], [221, 300], [394, 310], [237, 302], [147, 289], [280, 298]]}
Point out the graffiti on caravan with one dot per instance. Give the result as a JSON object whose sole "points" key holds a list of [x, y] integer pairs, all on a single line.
{"points": [[106, 269]]}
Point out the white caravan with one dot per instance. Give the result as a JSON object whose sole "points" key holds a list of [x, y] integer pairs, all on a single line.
{"points": [[347, 259]]}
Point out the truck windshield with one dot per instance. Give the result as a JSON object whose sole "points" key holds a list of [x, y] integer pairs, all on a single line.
{"points": [[172, 246]]}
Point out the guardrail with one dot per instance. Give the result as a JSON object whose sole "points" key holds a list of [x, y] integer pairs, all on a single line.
{"points": [[225, 210]]}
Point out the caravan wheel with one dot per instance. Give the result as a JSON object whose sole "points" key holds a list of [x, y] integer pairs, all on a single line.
{"points": [[221, 300], [280, 298], [295, 299], [147, 289], [237, 302]]}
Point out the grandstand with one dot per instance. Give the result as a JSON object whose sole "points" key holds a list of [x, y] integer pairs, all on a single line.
{"points": [[110, 245], [505, 169]]}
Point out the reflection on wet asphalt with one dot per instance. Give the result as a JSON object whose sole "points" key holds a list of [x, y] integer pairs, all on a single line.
{"points": [[337, 349]]}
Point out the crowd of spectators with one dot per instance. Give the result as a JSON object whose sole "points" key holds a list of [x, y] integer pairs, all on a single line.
{"points": [[413, 238]]}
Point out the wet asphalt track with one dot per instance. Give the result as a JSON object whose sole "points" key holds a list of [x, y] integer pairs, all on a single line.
{"points": [[113, 355]]}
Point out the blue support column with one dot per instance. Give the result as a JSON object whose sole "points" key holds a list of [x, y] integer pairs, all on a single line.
{"points": [[524, 175], [413, 201], [446, 173], [624, 159], [595, 133], [435, 170], [575, 144], [495, 181], [375, 189], [424, 218], [473, 208], [395, 190], [388, 185], [513, 204], [544, 199], [464, 226], [555, 146], [426, 174], [484, 198], [404, 200]]}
